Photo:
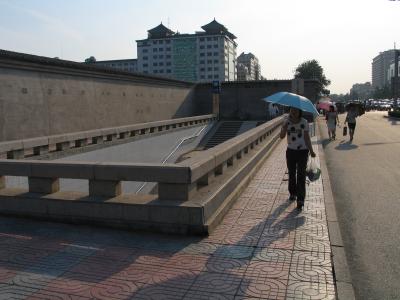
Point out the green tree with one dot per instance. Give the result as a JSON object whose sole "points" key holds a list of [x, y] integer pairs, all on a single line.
{"points": [[90, 60], [311, 69]]}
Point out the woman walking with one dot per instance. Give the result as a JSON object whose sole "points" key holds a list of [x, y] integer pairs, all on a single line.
{"points": [[332, 120], [299, 146], [351, 120]]}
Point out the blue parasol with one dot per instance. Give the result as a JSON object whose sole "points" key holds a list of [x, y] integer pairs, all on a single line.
{"points": [[292, 100]]}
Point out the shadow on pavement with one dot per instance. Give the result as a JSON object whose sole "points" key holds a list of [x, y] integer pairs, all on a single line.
{"points": [[83, 261], [346, 146]]}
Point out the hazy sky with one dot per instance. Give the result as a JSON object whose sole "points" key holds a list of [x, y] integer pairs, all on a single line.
{"points": [[343, 35]]}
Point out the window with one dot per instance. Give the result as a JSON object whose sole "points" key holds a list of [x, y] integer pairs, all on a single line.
{"points": [[215, 61], [161, 42], [202, 54], [202, 69], [209, 53], [208, 46], [155, 56], [215, 38], [168, 56], [216, 46], [209, 61], [155, 71], [202, 62], [168, 71], [209, 76], [154, 42], [155, 64], [201, 39], [161, 56], [162, 71], [168, 63], [215, 53], [209, 69], [145, 50], [168, 49], [168, 41], [145, 65], [208, 38], [216, 76], [144, 58], [160, 49], [202, 76], [155, 49], [161, 64], [145, 72], [216, 68], [202, 47]]}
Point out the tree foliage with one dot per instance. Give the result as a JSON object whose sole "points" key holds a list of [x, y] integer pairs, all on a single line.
{"points": [[311, 69], [90, 60]]}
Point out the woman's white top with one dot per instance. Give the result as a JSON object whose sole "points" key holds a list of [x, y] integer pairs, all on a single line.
{"points": [[295, 134]]}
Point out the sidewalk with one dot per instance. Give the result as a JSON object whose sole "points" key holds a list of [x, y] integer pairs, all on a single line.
{"points": [[263, 249]]}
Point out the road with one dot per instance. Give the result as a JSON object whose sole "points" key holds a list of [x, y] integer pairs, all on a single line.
{"points": [[365, 178]]}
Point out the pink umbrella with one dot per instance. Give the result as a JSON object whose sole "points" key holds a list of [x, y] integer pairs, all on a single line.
{"points": [[325, 105]]}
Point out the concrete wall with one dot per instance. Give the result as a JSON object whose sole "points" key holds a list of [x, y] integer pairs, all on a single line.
{"points": [[43, 97], [242, 100]]}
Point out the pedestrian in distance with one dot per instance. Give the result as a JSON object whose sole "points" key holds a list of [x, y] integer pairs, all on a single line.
{"points": [[351, 119], [332, 120], [296, 128]]}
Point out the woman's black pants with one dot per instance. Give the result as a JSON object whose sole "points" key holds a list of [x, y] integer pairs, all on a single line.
{"points": [[297, 163]]}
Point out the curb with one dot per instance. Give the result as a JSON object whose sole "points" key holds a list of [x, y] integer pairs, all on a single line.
{"points": [[341, 271]]}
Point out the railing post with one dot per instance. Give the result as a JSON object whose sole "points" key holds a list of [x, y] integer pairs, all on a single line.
{"points": [[97, 140], [63, 146], [220, 169], [43, 185], [41, 150], [81, 142], [2, 182], [16, 154], [104, 188], [176, 191]]}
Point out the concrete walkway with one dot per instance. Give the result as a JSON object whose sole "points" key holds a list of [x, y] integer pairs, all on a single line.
{"points": [[263, 249]]}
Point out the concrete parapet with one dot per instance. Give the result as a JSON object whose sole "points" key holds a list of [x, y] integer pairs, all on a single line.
{"points": [[183, 188], [43, 185], [104, 188]]}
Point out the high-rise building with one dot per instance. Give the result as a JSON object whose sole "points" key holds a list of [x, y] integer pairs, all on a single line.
{"points": [[252, 67], [380, 67], [362, 90], [203, 56]]}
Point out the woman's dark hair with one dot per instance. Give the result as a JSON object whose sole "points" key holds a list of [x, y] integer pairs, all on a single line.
{"points": [[331, 108]]}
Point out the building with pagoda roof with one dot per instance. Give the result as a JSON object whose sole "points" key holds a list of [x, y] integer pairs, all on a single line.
{"points": [[206, 55]]}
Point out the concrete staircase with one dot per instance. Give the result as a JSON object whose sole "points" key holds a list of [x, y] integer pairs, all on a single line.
{"points": [[225, 131]]}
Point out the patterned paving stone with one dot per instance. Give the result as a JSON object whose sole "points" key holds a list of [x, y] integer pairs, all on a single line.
{"points": [[151, 292], [218, 264], [309, 243], [263, 269], [263, 288], [283, 240], [200, 248], [312, 258], [312, 273], [310, 290], [273, 255], [217, 282], [197, 295], [233, 251]]}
